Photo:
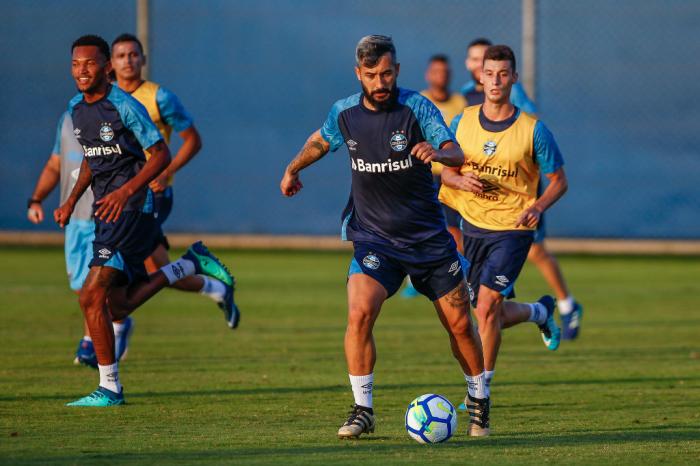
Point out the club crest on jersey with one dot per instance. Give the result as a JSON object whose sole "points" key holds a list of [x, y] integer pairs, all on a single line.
{"points": [[398, 141], [489, 148], [371, 262], [106, 132]]}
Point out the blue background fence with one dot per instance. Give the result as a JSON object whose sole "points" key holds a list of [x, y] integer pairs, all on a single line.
{"points": [[616, 82]]}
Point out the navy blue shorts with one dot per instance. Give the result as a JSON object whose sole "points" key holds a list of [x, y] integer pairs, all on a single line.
{"points": [[162, 206], [434, 266], [452, 217], [125, 244], [496, 260]]}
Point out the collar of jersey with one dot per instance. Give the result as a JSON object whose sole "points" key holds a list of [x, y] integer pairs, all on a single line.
{"points": [[497, 126], [376, 112]]}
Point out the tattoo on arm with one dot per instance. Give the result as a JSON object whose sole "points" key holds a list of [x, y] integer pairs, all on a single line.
{"points": [[314, 148]]}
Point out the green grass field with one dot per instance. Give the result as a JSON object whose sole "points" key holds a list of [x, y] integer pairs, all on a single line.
{"points": [[276, 389]]}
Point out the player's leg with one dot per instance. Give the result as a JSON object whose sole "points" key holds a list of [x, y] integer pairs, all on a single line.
{"points": [[453, 311], [93, 302], [488, 312]]}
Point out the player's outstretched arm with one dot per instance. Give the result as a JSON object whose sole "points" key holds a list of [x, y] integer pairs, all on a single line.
{"points": [[191, 145], [47, 181], [449, 154], [468, 181], [110, 207], [556, 189], [315, 148], [63, 213]]}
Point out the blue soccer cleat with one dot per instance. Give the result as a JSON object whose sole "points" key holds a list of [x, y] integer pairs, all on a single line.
{"points": [[571, 322], [228, 305], [121, 341], [206, 263], [100, 398], [551, 334], [85, 354], [409, 291]]}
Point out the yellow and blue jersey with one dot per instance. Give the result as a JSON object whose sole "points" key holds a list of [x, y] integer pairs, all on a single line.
{"points": [[113, 133], [393, 200], [508, 156]]}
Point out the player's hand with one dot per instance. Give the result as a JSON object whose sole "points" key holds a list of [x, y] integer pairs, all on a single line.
{"points": [[529, 218], [111, 206], [469, 181], [62, 214], [159, 183], [35, 213], [425, 152], [290, 184]]}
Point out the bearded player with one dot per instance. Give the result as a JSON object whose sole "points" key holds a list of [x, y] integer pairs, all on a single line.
{"points": [[395, 222]]}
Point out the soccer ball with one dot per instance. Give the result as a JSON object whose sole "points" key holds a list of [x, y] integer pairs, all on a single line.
{"points": [[431, 419]]}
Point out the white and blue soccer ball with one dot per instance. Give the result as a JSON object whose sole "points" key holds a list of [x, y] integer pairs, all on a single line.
{"points": [[431, 419]]}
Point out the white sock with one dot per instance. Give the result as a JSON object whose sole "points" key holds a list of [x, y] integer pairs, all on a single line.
{"points": [[566, 305], [489, 377], [476, 385], [213, 288], [178, 270], [538, 313], [109, 377], [118, 328], [87, 338], [362, 389]]}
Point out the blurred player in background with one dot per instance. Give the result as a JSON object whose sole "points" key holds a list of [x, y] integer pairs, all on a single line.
{"points": [[63, 167], [438, 75], [496, 194], [395, 222], [114, 130], [570, 311], [169, 115]]}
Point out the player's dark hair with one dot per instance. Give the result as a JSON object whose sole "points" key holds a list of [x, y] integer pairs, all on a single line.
{"points": [[372, 48], [126, 37], [500, 53], [439, 57], [91, 39], [480, 41]]}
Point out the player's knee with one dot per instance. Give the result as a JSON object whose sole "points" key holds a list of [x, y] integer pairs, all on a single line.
{"points": [[487, 310], [360, 318], [538, 253], [91, 297]]}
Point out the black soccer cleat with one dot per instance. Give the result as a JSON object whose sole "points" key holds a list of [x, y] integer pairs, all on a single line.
{"points": [[360, 421]]}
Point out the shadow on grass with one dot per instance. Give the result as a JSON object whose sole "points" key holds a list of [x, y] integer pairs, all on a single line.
{"points": [[341, 388], [384, 448]]}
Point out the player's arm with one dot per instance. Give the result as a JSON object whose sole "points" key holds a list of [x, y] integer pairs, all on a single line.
{"points": [[48, 179], [449, 154], [551, 163], [174, 114], [111, 206], [468, 181], [314, 148], [63, 213], [558, 185], [191, 145]]}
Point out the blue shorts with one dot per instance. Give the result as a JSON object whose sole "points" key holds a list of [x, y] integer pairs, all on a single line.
{"points": [[540, 232], [162, 206], [496, 260], [125, 244], [78, 249], [434, 266], [452, 217]]}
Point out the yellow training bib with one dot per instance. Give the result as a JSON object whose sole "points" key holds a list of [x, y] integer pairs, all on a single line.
{"points": [[146, 95]]}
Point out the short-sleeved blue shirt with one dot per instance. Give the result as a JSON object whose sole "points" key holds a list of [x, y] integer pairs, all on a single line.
{"points": [[393, 199], [114, 131]]}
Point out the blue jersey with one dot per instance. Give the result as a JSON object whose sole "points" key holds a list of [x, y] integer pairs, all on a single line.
{"points": [[113, 132], [393, 199]]}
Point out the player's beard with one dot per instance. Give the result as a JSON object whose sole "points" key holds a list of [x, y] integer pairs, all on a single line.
{"points": [[382, 105]]}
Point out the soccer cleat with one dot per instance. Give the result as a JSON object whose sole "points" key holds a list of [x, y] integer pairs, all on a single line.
{"points": [[100, 398], [360, 421], [571, 323], [121, 341], [228, 305], [551, 334], [85, 354], [206, 263], [478, 409]]}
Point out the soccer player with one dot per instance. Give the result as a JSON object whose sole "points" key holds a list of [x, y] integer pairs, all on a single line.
{"points": [[113, 130], [62, 168], [395, 222], [496, 194], [570, 311], [169, 115]]}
